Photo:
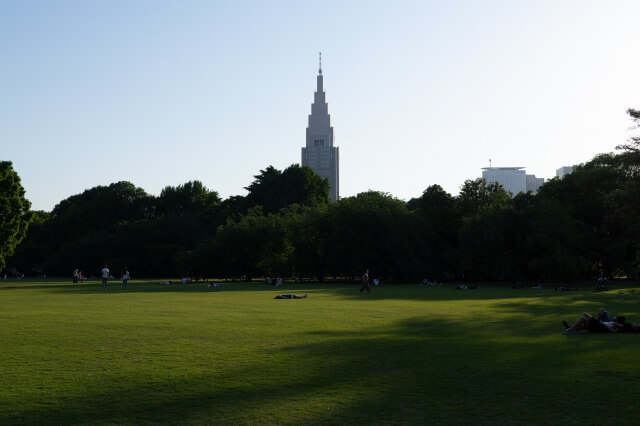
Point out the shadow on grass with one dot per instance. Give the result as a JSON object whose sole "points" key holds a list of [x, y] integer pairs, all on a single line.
{"points": [[416, 371]]}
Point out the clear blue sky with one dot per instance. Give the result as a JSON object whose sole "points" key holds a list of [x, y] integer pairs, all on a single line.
{"points": [[420, 92]]}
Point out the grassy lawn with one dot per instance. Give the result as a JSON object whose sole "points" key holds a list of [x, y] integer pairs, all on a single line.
{"points": [[405, 354]]}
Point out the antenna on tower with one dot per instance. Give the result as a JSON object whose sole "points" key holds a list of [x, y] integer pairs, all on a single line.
{"points": [[320, 62], [489, 162]]}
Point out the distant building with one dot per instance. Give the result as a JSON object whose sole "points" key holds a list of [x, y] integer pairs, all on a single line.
{"points": [[534, 183], [566, 170], [319, 152], [513, 179]]}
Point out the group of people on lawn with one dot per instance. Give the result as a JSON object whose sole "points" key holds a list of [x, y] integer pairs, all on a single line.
{"points": [[78, 277], [602, 323], [106, 276]]}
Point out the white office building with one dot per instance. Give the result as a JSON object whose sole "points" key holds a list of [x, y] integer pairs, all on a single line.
{"points": [[513, 179], [534, 183], [319, 152]]}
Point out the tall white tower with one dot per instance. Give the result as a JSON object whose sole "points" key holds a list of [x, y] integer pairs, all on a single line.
{"points": [[319, 152]]}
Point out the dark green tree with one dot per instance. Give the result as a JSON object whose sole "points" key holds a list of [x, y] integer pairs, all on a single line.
{"points": [[441, 221], [484, 251], [478, 194], [487, 244], [257, 245], [627, 199], [183, 217], [192, 197], [589, 195], [82, 231], [310, 228], [14, 211], [31, 253], [632, 147], [274, 190], [193, 208], [376, 231], [101, 207], [548, 241]]}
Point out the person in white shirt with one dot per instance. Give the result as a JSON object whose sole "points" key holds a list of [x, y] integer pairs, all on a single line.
{"points": [[105, 277], [125, 278]]}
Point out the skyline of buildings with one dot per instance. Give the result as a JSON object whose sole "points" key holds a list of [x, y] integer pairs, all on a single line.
{"points": [[322, 156]]}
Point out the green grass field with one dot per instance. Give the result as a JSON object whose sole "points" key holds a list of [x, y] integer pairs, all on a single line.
{"points": [[405, 354]]}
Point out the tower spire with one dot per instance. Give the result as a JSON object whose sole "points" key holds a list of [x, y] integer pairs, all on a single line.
{"points": [[319, 152]]}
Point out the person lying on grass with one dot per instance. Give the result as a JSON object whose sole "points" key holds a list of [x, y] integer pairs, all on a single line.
{"points": [[290, 296], [602, 324]]}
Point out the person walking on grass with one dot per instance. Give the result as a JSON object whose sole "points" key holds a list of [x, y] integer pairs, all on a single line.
{"points": [[105, 277], [365, 282], [125, 278]]}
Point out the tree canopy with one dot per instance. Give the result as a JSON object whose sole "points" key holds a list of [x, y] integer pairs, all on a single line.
{"points": [[14, 211], [275, 190], [580, 226]]}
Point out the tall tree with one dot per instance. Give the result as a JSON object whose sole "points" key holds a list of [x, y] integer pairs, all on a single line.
{"points": [[102, 207], [633, 144], [440, 224], [588, 194], [274, 190], [256, 245], [627, 199], [548, 241], [31, 253], [485, 250], [192, 196], [309, 228], [14, 211], [191, 206], [373, 230], [478, 194]]}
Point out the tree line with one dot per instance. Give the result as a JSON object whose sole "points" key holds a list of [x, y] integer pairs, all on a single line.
{"points": [[577, 227]]}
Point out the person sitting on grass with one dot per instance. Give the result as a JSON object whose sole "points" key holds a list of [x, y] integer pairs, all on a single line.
{"points": [[290, 296], [602, 324], [465, 287]]}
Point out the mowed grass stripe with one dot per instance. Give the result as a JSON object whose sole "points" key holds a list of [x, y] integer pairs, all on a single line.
{"points": [[232, 354]]}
